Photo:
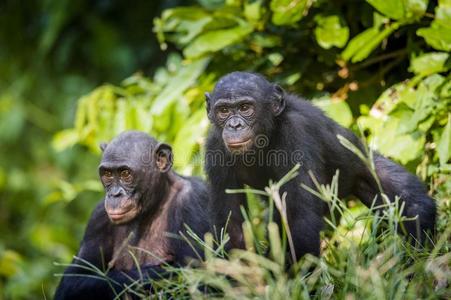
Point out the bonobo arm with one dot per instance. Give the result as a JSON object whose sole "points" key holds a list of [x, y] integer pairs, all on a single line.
{"points": [[222, 204], [396, 181], [190, 211], [304, 214], [79, 280], [95, 249]]}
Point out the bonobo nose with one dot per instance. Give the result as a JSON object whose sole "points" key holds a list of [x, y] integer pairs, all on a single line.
{"points": [[116, 192], [235, 124]]}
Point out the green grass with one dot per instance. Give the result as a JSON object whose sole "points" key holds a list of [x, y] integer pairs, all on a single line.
{"points": [[362, 255]]}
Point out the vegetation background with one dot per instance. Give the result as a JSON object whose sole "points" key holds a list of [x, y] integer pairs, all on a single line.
{"points": [[76, 73]]}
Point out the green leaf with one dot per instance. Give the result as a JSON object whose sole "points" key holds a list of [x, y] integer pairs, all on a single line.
{"points": [[444, 144], [182, 24], [438, 35], [400, 9], [286, 12], [211, 4], [391, 98], [253, 11], [433, 82], [366, 50], [65, 139], [443, 16], [425, 125], [216, 40], [424, 106], [430, 63], [189, 137], [445, 90], [402, 147], [359, 41], [264, 40], [337, 110], [331, 31], [391, 8], [415, 9], [361, 46], [174, 89], [120, 120], [9, 263]]}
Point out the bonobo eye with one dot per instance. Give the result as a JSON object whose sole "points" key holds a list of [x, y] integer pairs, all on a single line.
{"points": [[246, 109], [126, 176], [107, 177], [223, 112]]}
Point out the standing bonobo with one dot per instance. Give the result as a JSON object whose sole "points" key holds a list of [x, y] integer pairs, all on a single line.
{"points": [[144, 202], [260, 133]]}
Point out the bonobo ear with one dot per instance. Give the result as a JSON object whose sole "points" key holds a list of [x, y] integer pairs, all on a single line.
{"points": [[163, 157], [208, 101], [278, 105], [103, 146]]}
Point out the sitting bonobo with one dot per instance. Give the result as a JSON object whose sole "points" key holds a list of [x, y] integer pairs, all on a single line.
{"points": [[260, 132], [145, 203]]}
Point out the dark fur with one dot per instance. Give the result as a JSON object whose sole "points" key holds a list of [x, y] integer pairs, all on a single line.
{"points": [[301, 127], [102, 242]]}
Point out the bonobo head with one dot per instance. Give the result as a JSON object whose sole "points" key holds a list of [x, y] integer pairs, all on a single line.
{"points": [[242, 106], [132, 170]]}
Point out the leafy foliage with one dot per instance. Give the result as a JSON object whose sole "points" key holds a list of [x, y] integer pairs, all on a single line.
{"points": [[380, 67]]}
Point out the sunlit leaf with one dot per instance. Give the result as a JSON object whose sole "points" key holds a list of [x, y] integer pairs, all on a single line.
{"points": [[361, 46], [444, 144], [187, 139], [438, 35], [253, 11], [181, 24], [286, 12], [430, 63], [185, 78], [9, 263], [65, 139], [391, 8], [402, 147], [337, 110], [211, 4], [331, 31], [415, 8], [425, 101], [359, 42], [400, 9], [216, 40]]}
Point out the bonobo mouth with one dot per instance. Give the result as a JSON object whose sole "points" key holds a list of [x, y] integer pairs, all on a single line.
{"points": [[120, 216], [239, 146]]}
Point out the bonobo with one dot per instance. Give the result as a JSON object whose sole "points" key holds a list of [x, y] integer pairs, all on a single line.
{"points": [[261, 132], [145, 202]]}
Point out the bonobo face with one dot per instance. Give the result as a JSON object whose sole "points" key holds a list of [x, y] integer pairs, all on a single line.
{"points": [[131, 167], [236, 118], [242, 106]]}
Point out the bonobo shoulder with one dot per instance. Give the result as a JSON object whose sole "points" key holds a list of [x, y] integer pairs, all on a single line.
{"points": [[98, 222], [192, 189], [302, 106], [301, 116]]}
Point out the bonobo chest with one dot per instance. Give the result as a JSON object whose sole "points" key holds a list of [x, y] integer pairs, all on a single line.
{"points": [[148, 244], [253, 176]]}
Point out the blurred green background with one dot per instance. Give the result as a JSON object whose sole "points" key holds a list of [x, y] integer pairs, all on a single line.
{"points": [[76, 73]]}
